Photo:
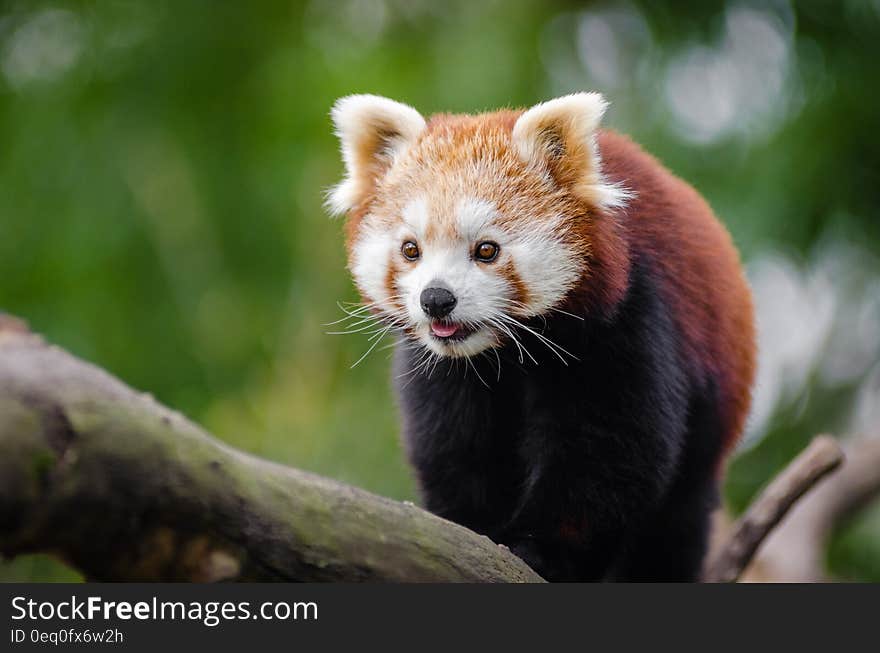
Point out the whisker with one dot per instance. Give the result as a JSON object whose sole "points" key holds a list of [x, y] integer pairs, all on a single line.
{"points": [[577, 317], [474, 368], [434, 361], [502, 327], [498, 360], [552, 346], [360, 310], [390, 320], [521, 348], [350, 331], [422, 364], [425, 355], [523, 307], [372, 347]]}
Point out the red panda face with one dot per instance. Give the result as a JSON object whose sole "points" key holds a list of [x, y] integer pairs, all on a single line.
{"points": [[462, 227]]}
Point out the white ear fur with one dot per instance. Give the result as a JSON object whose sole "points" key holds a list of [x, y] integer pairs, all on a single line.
{"points": [[575, 117], [564, 130], [373, 131]]}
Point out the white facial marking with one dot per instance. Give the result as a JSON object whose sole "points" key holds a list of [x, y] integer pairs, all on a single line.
{"points": [[449, 262], [474, 217], [370, 259], [546, 267], [531, 246], [416, 215]]}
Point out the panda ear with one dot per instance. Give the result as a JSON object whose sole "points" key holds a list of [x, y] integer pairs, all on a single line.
{"points": [[560, 136], [373, 131]]}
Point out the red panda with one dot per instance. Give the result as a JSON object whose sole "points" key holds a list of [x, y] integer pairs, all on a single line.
{"points": [[575, 336]]}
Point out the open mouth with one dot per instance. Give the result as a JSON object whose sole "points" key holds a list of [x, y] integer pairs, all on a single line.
{"points": [[446, 331]]}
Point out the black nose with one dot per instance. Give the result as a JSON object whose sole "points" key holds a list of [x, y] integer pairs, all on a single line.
{"points": [[437, 302]]}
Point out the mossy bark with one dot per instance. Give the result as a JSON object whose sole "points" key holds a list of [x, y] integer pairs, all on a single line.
{"points": [[123, 488]]}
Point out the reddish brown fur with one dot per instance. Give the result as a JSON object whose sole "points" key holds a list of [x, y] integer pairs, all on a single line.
{"points": [[446, 149], [698, 267], [699, 270], [520, 290]]}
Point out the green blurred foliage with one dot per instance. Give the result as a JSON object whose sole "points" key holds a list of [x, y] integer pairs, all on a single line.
{"points": [[162, 168]]}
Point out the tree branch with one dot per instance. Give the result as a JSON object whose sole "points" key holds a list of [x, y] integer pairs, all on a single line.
{"points": [[821, 457], [122, 488], [795, 551]]}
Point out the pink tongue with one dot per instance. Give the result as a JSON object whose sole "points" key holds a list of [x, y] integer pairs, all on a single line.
{"points": [[442, 330]]}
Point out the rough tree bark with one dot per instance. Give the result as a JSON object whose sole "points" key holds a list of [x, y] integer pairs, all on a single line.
{"points": [[820, 458], [122, 488], [794, 552]]}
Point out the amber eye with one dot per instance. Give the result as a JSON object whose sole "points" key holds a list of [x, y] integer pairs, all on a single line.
{"points": [[410, 250], [486, 251]]}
